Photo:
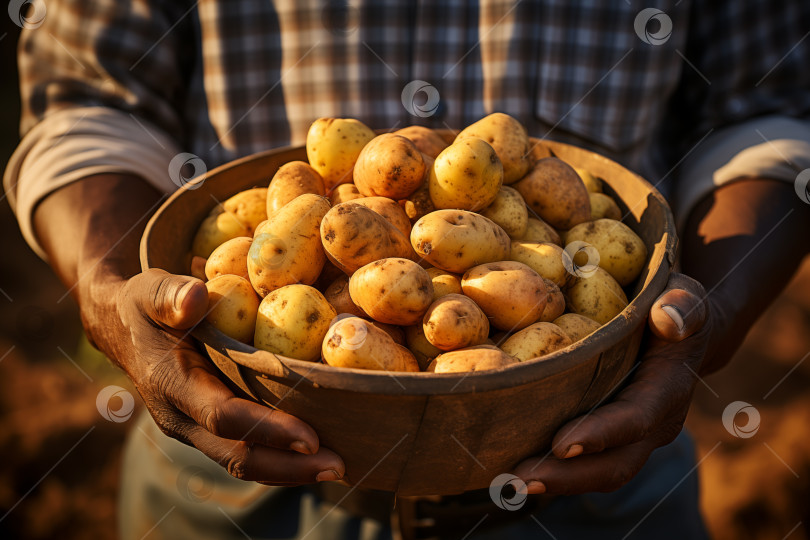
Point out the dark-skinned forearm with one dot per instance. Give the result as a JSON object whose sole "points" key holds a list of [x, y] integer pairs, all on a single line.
{"points": [[93, 227], [744, 243]]}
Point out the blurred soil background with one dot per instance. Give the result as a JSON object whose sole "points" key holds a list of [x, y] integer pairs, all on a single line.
{"points": [[60, 460]]}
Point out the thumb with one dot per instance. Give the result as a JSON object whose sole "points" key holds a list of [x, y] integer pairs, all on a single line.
{"points": [[679, 312], [170, 300]]}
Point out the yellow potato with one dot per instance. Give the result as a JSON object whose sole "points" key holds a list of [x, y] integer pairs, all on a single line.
{"points": [[621, 252], [592, 183], [232, 306], [545, 259], [293, 321], [478, 358], [425, 139], [215, 230], [423, 350], [535, 341], [288, 250], [467, 175], [354, 236], [555, 302], [511, 294], [553, 190], [603, 206], [454, 321], [509, 139], [392, 290], [291, 180], [390, 210], [576, 326], [538, 231], [343, 193], [444, 282], [333, 145], [597, 296], [389, 166], [355, 343], [456, 240], [249, 207], [337, 294], [509, 211], [229, 258]]}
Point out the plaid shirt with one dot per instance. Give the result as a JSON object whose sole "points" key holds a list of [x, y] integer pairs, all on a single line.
{"points": [[229, 78]]}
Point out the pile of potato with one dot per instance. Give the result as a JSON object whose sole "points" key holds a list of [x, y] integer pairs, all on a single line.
{"points": [[400, 252]]}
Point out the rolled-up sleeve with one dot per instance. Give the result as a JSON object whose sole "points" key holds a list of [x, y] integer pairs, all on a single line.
{"points": [[102, 84], [774, 147], [79, 142]]}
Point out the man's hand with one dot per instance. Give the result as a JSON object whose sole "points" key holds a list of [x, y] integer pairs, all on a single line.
{"points": [[602, 450], [141, 321]]}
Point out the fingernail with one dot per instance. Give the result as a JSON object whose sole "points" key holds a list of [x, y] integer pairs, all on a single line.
{"points": [[181, 294], [573, 451], [535, 487], [300, 447], [675, 314], [329, 475]]}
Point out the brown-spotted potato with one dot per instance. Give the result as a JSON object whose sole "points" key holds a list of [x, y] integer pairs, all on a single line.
{"points": [[511, 294], [535, 341], [392, 290], [229, 258], [466, 175], [293, 321], [554, 191], [291, 180], [333, 145], [456, 240], [621, 252], [508, 138], [232, 306], [352, 342], [288, 249], [509, 211], [455, 321]]}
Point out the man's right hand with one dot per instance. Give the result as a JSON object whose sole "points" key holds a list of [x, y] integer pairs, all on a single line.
{"points": [[142, 324]]}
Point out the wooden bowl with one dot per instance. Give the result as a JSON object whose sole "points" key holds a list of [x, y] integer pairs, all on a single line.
{"points": [[425, 433]]}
